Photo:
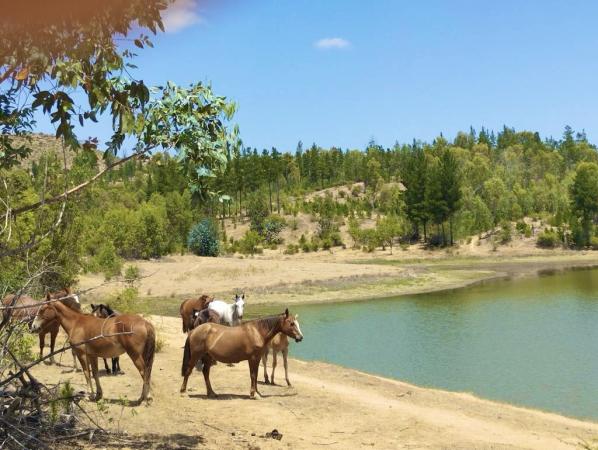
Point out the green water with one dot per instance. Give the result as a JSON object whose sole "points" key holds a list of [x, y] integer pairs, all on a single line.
{"points": [[531, 341]]}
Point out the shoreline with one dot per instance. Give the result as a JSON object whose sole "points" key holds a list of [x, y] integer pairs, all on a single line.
{"points": [[320, 283], [327, 405]]}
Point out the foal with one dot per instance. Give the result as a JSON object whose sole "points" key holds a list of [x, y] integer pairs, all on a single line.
{"points": [[106, 338], [279, 343], [214, 342], [104, 311]]}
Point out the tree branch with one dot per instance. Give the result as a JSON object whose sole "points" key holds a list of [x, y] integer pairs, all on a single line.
{"points": [[77, 188]]}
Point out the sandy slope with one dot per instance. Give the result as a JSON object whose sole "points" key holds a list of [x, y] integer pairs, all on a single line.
{"points": [[327, 407]]}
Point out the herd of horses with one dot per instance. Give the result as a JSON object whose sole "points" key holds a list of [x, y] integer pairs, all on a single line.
{"points": [[215, 333]]}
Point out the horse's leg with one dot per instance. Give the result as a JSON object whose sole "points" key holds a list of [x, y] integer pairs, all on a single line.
{"points": [[274, 360], [193, 358], [93, 360], [285, 354], [254, 365], [207, 363], [265, 362], [53, 334], [74, 359], [83, 360], [106, 367], [137, 359], [115, 366], [42, 342]]}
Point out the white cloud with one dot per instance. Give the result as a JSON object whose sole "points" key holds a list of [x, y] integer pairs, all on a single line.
{"points": [[335, 42], [181, 14]]}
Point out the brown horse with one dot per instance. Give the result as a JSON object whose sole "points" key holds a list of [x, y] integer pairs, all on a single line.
{"points": [[214, 342], [26, 315], [204, 316], [106, 338], [279, 343], [189, 305]]}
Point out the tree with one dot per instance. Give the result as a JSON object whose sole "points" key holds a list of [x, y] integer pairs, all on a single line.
{"points": [[584, 197], [389, 228], [450, 182], [413, 175]]}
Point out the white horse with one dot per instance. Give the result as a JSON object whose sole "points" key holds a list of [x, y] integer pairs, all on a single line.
{"points": [[230, 313]]}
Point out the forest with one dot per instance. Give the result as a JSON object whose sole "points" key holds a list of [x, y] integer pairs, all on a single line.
{"points": [[433, 194]]}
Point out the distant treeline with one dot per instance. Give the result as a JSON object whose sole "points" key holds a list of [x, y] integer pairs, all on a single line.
{"points": [[438, 191]]}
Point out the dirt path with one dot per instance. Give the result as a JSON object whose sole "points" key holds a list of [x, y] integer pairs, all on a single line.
{"points": [[327, 407]]}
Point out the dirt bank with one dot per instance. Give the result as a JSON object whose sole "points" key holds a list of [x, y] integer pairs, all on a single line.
{"points": [[327, 407], [345, 275]]}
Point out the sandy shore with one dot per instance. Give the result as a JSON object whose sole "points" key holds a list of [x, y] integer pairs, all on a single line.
{"points": [[344, 275], [327, 407]]}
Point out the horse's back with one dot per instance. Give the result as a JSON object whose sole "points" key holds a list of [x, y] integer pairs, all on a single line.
{"points": [[279, 342], [21, 313]]}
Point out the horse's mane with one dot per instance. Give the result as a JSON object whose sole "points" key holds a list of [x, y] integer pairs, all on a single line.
{"points": [[268, 322]]}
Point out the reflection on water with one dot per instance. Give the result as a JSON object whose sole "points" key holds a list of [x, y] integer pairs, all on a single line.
{"points": [[532, 341]]}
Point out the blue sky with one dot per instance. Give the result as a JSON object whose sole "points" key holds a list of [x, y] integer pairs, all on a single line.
{"points": [[389, 70]]}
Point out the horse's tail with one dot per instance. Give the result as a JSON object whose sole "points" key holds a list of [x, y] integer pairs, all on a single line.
{"points": [[184, 323], [186, 356], [148, 352]]}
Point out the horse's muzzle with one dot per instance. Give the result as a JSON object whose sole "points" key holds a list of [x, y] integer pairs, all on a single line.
{"points": [[299, 339]]}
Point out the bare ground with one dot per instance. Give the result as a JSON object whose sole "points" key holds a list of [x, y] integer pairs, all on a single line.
{"points": [[327, 407]]}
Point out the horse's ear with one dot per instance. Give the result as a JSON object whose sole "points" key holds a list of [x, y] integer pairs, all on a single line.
{"points": [[93, 306], [296, 316], [286, 312], [243, 296], [48, 296]]}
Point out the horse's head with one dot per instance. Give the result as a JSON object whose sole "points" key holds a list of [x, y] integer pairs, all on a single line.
{"points": [[45, 315], [290, 326], [102, 311], [239, 306]]}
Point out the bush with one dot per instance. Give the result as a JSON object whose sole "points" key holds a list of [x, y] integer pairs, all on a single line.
{"points": [[291, 249], [594, 242], [249, 244], [258, 211], [131, 274], [547, 239], [203, 239], [505, 233], [272, 227], [125, 300], [107, 261], [523, 228]]}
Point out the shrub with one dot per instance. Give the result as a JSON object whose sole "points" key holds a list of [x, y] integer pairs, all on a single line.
{"points": [[131, 274], [291, 249], [547, 239], [125, 300], [273, 225], [356, 190], [203, 239], [249, 244], [505, 233], [594, 242], [107, 261], [258, 211], [523, 228]]}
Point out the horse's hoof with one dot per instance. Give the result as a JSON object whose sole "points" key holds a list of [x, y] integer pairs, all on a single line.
{"points": [[212, 395], [289, 384]]}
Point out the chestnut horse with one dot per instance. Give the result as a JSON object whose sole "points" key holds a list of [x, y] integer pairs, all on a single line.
{"points": [[279, 343], [105, 338], [189, 305], [214, 342], [26, 315]]}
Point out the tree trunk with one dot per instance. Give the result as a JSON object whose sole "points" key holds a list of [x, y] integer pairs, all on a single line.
{"points": [[277, 196], [443, 236], [425, 231], [270, 194], [451, 229]]}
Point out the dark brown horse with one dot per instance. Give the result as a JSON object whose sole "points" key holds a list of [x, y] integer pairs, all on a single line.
{"points": [[214, 342], [189, 305], [104, 311], [26, 315], [105, 338], [204, 316]]}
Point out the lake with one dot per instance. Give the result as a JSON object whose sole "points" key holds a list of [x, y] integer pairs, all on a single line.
{"points": [[530, 341]]}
